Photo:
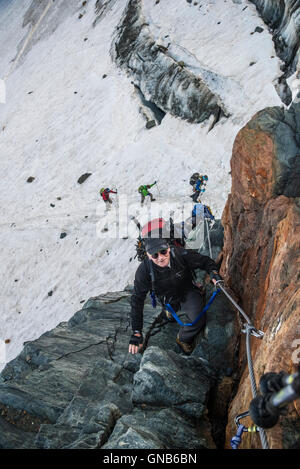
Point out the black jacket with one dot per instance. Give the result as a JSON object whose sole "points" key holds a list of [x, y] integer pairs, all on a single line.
{"points": [[170, 284]]}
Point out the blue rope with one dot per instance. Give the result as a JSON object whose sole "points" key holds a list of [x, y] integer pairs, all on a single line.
{"points": [[169, 308]]}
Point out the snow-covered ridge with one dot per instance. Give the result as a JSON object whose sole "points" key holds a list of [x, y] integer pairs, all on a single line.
{"points": [[163, 79], [284, 17]]}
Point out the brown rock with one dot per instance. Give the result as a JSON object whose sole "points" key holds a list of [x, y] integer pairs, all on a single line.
{"points": [[261, 259]]}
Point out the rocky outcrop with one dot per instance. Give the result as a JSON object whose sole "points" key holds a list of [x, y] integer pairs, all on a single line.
{"points": [[77, 386], [261, 253], [162, 79], [283, 16]]}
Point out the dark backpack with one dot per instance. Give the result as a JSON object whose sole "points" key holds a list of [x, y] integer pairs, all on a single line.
{"points": [[194, 178]]}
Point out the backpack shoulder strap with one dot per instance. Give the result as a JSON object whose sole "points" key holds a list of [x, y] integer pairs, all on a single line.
{"points": [[152, 275]]}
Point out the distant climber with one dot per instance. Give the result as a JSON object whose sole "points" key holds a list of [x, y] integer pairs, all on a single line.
{"points": [[194, 178], [208, 213], [143, 190], [105, 196], [201, 211], [167, 271], [199, 185]]}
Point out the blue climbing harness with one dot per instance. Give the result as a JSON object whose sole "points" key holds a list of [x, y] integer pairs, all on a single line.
{"points": [[171, 310], [169, 307]]}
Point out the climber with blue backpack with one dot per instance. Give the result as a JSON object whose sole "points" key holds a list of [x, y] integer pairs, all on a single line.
{"points": [[200, 212], [167, 272], [199, 184]]}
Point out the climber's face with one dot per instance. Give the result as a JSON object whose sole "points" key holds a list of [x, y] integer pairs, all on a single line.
{"points": [[160, 258]]}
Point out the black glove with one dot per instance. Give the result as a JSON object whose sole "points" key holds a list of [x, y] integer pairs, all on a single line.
{"points": [[135, 340], [215, 276]]}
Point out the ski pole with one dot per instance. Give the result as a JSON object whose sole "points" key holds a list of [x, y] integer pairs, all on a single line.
{"points": [[158, 187]]}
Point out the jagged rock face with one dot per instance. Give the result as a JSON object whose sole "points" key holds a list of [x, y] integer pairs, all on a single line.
{"points": [[284, 17], [77, 386], [262, 252], [272, 168], [161, 78]]}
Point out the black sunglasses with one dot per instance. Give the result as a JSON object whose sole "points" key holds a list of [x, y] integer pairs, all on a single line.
{"points": [[163, 252]]}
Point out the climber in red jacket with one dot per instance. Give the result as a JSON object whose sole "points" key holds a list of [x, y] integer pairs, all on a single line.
{"points": [[105, 196]]}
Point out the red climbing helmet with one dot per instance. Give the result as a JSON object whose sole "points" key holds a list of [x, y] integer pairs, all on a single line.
{"points": [[155, 228]]}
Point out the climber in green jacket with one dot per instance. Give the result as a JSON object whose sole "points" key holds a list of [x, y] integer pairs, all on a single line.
{"points": [[143, 190]]}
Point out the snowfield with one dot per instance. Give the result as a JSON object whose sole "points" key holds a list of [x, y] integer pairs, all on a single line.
{"points": [[69, 111]]}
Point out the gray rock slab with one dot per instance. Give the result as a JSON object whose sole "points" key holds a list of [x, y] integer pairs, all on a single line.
{"points": [[44, 393], [167, 379], [159, 429], [80, 428], [14, 438], [91, 415], [85, 390]]}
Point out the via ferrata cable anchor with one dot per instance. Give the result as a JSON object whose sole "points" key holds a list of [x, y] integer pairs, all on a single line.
{"points": [[241, 429], [253, 331]]}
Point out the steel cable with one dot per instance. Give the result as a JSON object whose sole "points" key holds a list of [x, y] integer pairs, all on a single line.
{"points": [[249, 329]]}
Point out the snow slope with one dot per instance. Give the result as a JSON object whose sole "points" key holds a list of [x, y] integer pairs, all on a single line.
{"points": [[64, 118]]}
